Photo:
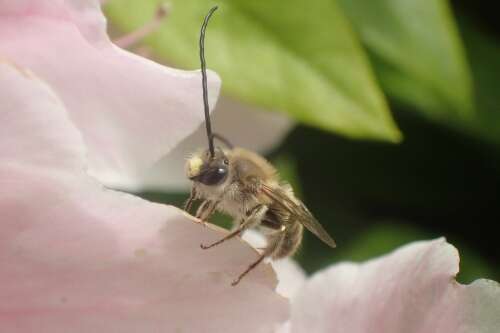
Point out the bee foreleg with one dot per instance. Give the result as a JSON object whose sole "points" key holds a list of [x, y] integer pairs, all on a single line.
{"points": [[277, 238], [254, 216], [206, 209], [203, 206], [190, 200]]}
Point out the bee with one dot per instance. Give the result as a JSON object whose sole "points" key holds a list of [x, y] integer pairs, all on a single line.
{"points": [[247, 187]]}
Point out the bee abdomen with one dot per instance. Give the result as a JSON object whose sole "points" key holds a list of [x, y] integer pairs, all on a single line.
{"points": [[286, 244]]}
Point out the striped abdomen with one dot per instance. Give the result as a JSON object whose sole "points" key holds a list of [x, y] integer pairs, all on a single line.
{"points": [[284, 244]]}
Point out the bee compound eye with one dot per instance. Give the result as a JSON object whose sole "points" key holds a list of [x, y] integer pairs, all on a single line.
{"points": [[214, 176]]}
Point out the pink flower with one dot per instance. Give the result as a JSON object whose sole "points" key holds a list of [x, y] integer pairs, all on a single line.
{"points": [[120, 102], [244, 125], [76, 257], [410, 290]]}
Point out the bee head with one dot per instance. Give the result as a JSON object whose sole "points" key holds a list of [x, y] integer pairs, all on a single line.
{"points": [[208, 170], [211, 167]]}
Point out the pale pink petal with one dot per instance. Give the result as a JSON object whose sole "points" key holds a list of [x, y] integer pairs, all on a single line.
{"points": [[76, 257], [291, 277], [410, 290], [285, 328], [130, 110], [245, 126]]}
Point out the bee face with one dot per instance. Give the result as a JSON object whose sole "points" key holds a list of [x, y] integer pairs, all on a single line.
{"points": [[208, 170]]}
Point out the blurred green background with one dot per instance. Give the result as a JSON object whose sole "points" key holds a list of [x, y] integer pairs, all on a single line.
{"points": [[397, 106]]}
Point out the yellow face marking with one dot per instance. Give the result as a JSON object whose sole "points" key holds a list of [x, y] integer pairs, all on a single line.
{"points": [[194, 166]]}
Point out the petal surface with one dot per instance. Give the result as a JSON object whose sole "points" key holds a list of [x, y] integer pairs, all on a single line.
{"points": [[243, 125], [76, 257], [410, 290], [130, 110]]}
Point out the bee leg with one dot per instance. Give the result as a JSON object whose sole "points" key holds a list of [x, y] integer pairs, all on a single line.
{"points": [[190, 200], [206, 209], [255, 214], [201, 210], [252, 266], [277, 238], [222, 240]]}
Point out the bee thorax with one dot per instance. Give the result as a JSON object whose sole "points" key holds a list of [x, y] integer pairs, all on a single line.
{"points": [[237, 208], [229, 198]]}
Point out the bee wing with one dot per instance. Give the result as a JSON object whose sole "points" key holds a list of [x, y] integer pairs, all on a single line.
{"points": [[299, 211]]}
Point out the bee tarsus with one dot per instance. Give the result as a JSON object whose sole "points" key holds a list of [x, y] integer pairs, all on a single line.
{"points": [[250, 267], [206, 210]]}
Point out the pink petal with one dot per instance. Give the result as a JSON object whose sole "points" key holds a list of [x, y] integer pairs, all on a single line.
{"points": [[243, 125], [76, 257], [410, 290], [131, 111], [291, 277]]}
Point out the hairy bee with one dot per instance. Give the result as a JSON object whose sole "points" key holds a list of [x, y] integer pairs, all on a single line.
{"points": [[247, 187]]}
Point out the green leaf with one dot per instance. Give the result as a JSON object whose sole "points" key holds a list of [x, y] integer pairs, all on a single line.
{"points": [[297, 57], [484, 55], [417, 53]]}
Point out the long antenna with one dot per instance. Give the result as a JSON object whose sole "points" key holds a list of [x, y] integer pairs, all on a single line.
{"points": [[204, 81]]}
